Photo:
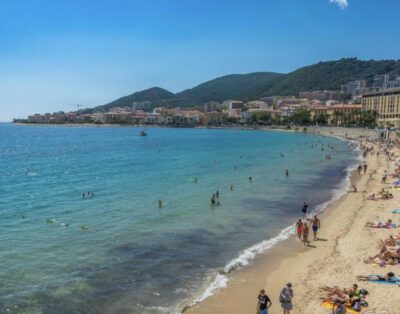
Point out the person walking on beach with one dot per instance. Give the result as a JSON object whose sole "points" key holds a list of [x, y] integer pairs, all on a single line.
{"points": [[285, 298], [299, 229], [264, 303], [315, 224], [306, 231], [384, 176], [304, 209]]}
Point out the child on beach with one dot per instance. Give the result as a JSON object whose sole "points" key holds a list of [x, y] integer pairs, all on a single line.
{"points": [[306, 231], [264, 303]]}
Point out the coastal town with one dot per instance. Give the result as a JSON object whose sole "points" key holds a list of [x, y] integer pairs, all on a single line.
{"points": [[358, 103]]}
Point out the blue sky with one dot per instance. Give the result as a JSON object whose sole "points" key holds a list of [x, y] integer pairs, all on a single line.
{"points": [[54, 54]]}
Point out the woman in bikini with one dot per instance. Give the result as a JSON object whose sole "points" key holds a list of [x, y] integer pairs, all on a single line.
{"points": [[299, 229]]}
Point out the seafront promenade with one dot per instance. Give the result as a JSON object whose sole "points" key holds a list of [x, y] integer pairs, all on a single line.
{"points": [[335, 260]]}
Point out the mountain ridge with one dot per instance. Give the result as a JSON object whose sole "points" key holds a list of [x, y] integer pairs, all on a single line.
{"points": [[319, 76]]}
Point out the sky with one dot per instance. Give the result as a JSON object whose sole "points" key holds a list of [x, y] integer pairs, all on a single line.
{"points": [[57, 54]]}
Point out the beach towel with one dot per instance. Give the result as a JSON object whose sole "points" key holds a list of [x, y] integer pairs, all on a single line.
{"points": [[394, 281], [396, 211], [329, 305]]}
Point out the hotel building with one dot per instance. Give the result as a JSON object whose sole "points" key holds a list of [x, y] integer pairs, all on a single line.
{"points": [[386, 103]]}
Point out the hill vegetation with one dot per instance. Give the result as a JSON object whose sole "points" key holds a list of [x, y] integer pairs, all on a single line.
{"points": [[331, 75], [320, 76]]}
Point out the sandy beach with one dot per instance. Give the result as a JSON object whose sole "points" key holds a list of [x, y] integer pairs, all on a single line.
{"points": [[336, 259]]}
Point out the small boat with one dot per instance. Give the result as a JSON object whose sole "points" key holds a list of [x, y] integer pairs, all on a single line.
{"points": [[142, 133]]}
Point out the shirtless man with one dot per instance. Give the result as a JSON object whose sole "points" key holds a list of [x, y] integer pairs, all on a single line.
{"points": [[315, 225]]}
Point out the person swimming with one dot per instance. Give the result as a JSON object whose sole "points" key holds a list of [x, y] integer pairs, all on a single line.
{"points": [[159, 203]]}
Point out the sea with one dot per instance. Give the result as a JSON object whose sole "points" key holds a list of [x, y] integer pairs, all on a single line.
{"points": [[82, 230]]}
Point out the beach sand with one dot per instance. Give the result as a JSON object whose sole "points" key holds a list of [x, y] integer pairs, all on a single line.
{"points": [[335, 260]]}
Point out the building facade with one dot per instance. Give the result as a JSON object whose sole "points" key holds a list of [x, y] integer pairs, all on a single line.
{"points": [[387, 105], [337, 115]]}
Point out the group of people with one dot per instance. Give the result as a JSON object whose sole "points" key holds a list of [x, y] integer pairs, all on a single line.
{"points": [[285, 299], [214, 198], [383, 195], [303, 226], [389, 253], [87, 194], [339, 300]]}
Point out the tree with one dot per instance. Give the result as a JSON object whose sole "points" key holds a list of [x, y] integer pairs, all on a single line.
{"points": [[301, 116], [368, 118], [321, 119]]}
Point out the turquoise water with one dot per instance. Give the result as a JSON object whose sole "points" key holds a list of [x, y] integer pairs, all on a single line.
{"points": [[117, 251]]}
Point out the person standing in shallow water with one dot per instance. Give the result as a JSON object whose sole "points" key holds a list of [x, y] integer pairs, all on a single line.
{"points": [[304, 209], [299, 229], [264, 303]]}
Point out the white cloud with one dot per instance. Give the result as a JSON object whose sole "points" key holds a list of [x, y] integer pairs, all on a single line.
{"points": [[341, 3]]}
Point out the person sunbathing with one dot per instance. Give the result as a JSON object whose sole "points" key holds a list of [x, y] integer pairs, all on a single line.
{"points": [[344, 294], [387, 196], [380, 224], [388, 242], [371, 197], [382, 261], [389, 277]]}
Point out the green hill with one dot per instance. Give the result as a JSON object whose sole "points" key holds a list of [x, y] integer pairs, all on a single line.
{"points": [[234, 86], [323, 75], [157, 95], [330, 75]]}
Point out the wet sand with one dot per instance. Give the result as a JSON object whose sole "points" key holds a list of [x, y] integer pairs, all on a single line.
{"points": [[336, 259]]}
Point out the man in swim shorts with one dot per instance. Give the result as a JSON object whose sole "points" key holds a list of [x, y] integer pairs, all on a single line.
{"points": [[264, 303], [315, 224]]}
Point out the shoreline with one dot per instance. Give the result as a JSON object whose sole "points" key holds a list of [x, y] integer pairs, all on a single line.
{"points": [[270, 269], [277, 253]]}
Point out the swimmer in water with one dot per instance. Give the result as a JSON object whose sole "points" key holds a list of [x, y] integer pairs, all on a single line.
{"points": [[195, 180], [287, 172], [217, 194], [159, 203], [250, 179], [231, 187]]}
